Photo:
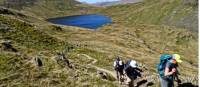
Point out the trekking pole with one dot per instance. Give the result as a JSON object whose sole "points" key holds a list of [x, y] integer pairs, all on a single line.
{"points": [[178, 80], [174, 76]]}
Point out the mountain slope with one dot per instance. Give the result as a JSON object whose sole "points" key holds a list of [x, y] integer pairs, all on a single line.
{"points": [[179, 13], [45, 8], [89, 55], [102, 4], [22, 45]]}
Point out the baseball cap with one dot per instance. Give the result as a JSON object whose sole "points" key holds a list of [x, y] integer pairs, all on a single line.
{"points": [[177, 58]]}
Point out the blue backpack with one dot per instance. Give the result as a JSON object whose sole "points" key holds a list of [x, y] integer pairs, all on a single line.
{"points": [[163, 61]]}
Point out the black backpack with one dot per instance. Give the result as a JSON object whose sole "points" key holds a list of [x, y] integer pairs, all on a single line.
{"points": [[118, 66]]}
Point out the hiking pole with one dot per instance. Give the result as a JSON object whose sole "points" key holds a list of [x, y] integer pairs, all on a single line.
{"points": [[177, 79]]}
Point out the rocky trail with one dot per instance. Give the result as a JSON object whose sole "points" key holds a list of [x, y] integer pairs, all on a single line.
{"points": [[112, 73], [147, 79]]}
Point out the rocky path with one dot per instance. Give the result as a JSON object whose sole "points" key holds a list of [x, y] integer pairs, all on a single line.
{"points": [[148, 78], [112, 73]]}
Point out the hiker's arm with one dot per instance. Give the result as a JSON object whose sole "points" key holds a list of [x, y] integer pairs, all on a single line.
{"points": [[114, 64], [139, 69], [167, 72]]}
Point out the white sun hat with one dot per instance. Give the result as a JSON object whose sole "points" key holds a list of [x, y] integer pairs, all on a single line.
{"points": [[133, 64]]}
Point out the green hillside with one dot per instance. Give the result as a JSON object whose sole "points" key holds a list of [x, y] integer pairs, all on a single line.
{"points": [[19, 68], [179, 13], [139, 31], [46, 8]]}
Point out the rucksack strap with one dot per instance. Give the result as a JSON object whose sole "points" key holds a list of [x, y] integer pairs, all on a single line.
{"points": [[127, 65]]}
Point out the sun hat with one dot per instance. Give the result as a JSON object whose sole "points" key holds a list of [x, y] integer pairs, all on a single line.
{"points": [[133, 64], [177, 58]]}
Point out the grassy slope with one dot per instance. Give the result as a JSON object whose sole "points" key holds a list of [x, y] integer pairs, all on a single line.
{"points": [[22, 71], [167, 12], [42, 9], [54, 8], [138, 43], [146, 18], [147, 21], [135, 41]]}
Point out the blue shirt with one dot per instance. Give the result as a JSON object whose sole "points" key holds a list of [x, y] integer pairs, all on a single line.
{"points": [[171, 65]]}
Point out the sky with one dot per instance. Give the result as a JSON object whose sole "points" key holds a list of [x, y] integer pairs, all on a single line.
{"points": [[95, 1]]}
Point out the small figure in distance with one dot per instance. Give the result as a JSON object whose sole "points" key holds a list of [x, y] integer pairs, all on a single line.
{"points": [[119, 67]]}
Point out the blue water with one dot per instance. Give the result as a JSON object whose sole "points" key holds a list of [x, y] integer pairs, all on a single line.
{"points": [[91, 21]]}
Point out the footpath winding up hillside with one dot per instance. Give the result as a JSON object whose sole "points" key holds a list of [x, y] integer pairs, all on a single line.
{"points": [[36, 53]]}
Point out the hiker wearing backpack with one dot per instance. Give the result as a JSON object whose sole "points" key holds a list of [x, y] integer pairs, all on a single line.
{"points": [[119, 67], [167, 69], [132, 72]]}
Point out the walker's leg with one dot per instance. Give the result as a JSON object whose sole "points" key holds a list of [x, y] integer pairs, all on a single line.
{"points": [[117, 75], [131, 83]]}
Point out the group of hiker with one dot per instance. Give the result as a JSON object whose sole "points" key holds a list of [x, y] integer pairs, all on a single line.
{"points": [[167, 69], [128, 71]]}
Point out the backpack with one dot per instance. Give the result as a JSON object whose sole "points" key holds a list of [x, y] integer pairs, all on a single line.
{"points": [[118, 66], [163, 61]]}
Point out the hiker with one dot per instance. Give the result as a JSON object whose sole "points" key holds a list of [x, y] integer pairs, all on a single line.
{"points": [[168, 69], [38, 61], [119, 67], [132, 72], [62, 57]]}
